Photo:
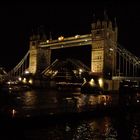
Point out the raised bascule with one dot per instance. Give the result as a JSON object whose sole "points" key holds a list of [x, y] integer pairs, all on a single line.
{"points": [[109, 59]]}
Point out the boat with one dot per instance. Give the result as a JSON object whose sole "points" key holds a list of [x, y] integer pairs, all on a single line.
{"points": [[129, 87], [15, 87], [129, 93], [88, 89], [91, 87], [71, 86]]}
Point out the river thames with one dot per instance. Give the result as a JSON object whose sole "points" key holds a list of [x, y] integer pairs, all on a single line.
{"points": [[46, 114]]}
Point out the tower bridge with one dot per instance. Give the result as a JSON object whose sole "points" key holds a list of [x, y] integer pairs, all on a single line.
{"points": [[109, 59]]}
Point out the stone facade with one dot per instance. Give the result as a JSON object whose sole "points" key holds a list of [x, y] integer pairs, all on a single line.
{"points": [[39, 57], [103, 54]]}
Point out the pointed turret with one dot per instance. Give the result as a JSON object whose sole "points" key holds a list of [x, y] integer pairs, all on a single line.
{"points": [[105, 16], [50, 38], [44, 37], [94, 18], [98, 25], [110, 25], [105, 20], [32, 36], [116, 29], [115, 22], [93, 25]]}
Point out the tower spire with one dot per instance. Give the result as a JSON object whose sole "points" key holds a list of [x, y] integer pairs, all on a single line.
{"points": [[50, 36], [115, 22], [93, 18], [105, 16]]}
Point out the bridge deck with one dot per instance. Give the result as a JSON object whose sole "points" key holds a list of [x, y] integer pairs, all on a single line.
{"points": [[68, 42], [125, 78]]}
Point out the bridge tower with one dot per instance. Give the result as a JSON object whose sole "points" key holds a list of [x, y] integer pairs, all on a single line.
{"points": [[40, 58], [103, 54]]}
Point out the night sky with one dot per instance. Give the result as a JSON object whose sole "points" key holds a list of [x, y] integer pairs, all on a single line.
{"points": [[17, 22]]}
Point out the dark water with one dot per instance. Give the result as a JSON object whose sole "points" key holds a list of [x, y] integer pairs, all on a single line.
{"points": [[44, 114]]}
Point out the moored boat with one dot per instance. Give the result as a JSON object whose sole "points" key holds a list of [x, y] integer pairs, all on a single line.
{"points": [[16, 87], [128, 86], [92, 86], [129, 93]]}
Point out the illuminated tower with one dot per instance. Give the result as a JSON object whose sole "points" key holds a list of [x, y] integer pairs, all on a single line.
{"points": [[39, 57], [103, 54]]}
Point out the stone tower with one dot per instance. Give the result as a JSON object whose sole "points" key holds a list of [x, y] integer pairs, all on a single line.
{"points": [[104, 40], [39, 57]]}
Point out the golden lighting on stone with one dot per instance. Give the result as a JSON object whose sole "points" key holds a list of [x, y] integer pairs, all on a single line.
{"points": [[30, 81], [100, 80], [24, 80], [92, 82]]}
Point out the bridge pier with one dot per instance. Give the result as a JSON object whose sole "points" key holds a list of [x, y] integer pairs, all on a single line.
{"points": [[111, 85]]}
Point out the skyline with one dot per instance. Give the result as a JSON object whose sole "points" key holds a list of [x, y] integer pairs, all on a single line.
{"points": [[18, 21]]}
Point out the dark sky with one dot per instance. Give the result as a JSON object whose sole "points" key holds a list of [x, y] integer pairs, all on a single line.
{"points": [[18, 21]]}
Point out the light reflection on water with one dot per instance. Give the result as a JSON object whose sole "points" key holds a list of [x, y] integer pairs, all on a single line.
{"points": [[101, 128], [41, 102], [29, 99], [91, 128], [95, 129]]}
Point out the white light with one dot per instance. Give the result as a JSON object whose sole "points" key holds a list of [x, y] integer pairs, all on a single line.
{"points": [[19, 78], [13, 112], [80, 70], [111, 49], [8, 82], [105, 103], [77, 36], [26, 71]]}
